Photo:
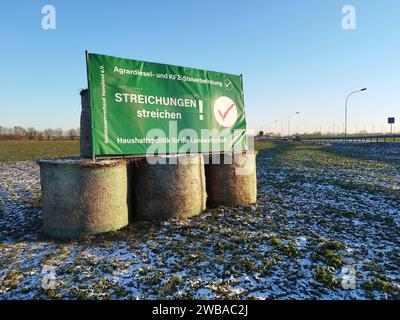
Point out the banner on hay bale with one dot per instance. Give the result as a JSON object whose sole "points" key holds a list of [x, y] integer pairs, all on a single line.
{"points": [[141, 107]]}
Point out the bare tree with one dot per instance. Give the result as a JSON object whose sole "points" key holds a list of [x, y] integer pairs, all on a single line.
{"points": [[19, 132], [58, 133], [71, 134], [31, 133], [48, 133]]}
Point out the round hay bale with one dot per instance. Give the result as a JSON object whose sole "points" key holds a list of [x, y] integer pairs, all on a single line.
{"points": [[81, 197], [85, 138], [175, 189], [231, 180], [131, 165]]}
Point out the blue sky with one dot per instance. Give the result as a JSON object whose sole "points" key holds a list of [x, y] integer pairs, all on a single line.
{"points": [[294, 56]]}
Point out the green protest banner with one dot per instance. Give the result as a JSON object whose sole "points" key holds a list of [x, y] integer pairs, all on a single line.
{"points": [[142, 107]]}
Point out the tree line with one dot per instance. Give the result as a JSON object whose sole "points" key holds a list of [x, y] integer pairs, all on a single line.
{"points": [[20, 133]]}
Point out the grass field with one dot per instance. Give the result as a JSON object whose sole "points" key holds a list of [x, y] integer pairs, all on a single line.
{"points": [[318, 211], [34, 150]]}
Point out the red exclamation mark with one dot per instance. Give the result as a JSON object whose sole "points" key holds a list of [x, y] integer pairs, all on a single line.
{"points": [[201, 109]]}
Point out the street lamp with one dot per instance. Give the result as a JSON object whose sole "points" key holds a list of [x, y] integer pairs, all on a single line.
{"points": [[270, 124], [345, 111], [288, 123]]}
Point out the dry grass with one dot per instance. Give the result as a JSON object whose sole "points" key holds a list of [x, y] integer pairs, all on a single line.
{"points": [[33, 150]]}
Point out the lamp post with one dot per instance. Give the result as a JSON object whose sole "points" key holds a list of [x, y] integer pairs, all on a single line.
{"points": [[288, 123], [345, 111], [270, 124]]}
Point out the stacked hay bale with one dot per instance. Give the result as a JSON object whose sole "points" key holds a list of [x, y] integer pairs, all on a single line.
{"points": [[86, 128], [174, 187], [81, 197], [231, 180], [131, 165], [84, 197]]}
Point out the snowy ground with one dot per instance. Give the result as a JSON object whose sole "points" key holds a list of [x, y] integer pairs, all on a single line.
{"points": [[387, 151], [317, 211]]}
